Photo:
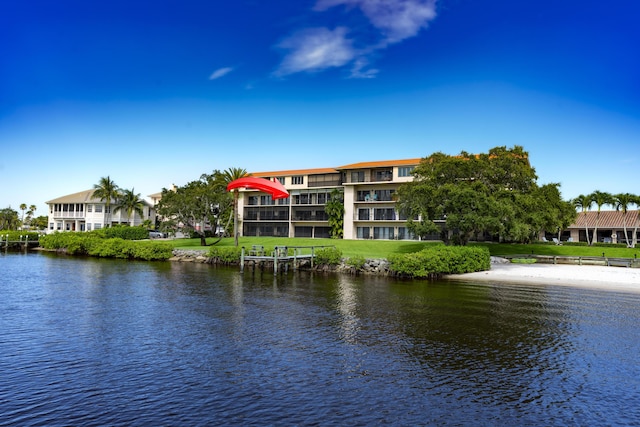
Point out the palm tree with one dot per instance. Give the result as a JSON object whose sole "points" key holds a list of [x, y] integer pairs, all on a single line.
{"points": [[636, 222], [130, 202], [600, 198], [30, 213], [230, 175], [106, 190], [584, 203], [622, 202], [23, 207]]}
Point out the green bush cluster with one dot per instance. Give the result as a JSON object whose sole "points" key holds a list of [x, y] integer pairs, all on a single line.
{"points": [[15, 236], [123, 232], [356, 262], [434, 261], [225, 254], [575, 243], [79, 243], [609, 245], [328, 256]]}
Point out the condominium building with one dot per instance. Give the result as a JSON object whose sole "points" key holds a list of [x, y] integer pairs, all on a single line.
{"points": [[368, 189], [82, 212]]}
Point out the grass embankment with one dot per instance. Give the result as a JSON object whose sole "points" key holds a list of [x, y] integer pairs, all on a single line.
{"points": [[383, 248]]}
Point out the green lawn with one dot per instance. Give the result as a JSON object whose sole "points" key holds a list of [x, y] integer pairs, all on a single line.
{"points": [[382, 248]]}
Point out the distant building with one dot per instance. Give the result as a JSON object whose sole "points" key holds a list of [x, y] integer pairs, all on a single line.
{"points": [[82, 212], [369, 200], [610, 227]]}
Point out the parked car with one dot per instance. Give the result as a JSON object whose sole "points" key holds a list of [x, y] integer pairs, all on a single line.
{"points": [[153, 234]]}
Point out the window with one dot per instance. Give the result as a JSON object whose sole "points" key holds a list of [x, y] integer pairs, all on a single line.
{"points": [[50, 226], [363, 196], [280, 179], [363, 232], [89, 226], [266, 200], [383, 195], [384, 214], [325, 180], [363, 214], [89, 208], [98, 208], [297, 180], [253, 200], [97, 226], [382, 175], [59, 226], [383, 233], [405, 170], [357, 176]]}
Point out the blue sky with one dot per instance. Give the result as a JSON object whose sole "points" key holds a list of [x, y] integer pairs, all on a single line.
{"points": [[158, 92]]}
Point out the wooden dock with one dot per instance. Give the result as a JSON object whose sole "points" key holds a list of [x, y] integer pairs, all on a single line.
{"points": [[23, 243], [280, 257]]}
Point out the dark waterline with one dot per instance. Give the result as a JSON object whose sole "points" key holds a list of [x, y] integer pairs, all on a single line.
{"points": [[107, 342]]}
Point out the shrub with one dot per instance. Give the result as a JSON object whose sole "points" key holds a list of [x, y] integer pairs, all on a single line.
{"points": [[79, 243], [123, 232], [356, 262], [328, 256], [435, 261], [225, 254], [17, 235], [575, 243], [152, 251]]}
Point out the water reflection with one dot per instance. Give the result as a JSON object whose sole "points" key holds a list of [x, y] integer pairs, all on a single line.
{"points": [[112, 342]]}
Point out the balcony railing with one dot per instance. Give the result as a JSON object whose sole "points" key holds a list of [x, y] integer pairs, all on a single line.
{"points": [[63, 214]]}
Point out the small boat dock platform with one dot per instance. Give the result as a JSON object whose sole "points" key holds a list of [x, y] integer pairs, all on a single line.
{"points": [[282, 257]]}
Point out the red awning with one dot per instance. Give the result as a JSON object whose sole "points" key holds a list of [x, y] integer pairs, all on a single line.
{"points": [[274, 188]]}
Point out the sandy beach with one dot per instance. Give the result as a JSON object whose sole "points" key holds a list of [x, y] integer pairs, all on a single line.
{"points": [[588, 276]]}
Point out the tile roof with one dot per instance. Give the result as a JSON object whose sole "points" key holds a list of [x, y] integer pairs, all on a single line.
{"points": [[361, 165], [381, 163], [608, 219], [294, 172]]}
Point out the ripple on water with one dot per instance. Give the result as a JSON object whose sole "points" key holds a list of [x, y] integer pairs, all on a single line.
{"points": [[117, 343]]}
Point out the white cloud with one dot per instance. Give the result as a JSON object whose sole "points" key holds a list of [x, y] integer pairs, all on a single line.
{"points": [[315, 49], [397, 19], [358, 70], [220, 72]]}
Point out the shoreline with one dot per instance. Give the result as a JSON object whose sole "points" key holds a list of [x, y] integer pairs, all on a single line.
{"points": [[619, 279]]}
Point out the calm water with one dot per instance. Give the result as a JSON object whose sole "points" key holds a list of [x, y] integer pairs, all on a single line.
{"points": [[101, 342]]}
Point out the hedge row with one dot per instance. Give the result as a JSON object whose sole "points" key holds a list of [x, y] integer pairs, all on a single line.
{"points": [[437, 260], [90, 244], [15, 236]]}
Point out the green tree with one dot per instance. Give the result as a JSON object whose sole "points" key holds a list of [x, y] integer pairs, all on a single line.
{"points": [[600, 198], [584, 203], [555, 213], [197, 205], [9, 219], [107, 191], [622, 202], [131, 203], [40, 222], [471, 194], [334, 209], [231, 174]]}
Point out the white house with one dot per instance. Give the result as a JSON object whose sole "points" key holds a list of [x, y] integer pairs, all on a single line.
{"points": [[82, 212]]}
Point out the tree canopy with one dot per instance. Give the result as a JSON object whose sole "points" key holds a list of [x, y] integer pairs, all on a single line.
{"points": [[197, 206], [492, 193]]}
